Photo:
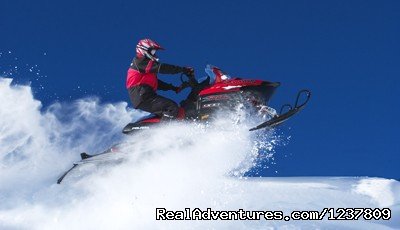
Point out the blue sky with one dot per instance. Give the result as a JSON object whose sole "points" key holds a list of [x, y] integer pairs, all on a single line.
{"points": [[346, 52]]}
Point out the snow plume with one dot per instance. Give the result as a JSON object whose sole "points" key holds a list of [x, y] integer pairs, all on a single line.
{"points": [[35, 145], [175, 166]]}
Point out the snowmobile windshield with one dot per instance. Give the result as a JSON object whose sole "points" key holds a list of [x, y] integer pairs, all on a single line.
{"points": [[216, 74]]}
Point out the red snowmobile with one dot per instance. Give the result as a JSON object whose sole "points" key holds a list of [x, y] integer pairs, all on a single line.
{"points": [[219, 92]]}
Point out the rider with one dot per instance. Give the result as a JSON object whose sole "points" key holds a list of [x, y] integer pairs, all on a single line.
{"points": [[142, 82]]}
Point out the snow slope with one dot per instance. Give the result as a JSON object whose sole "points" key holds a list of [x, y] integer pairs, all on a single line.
{"points": [[182, 167]]}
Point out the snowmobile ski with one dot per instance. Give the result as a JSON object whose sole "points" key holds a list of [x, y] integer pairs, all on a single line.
{"points": [[282, 117], [83, 157], [65, 174], [105, 156]]}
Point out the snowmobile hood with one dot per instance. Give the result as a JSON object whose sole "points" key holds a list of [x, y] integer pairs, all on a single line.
{"points": [[238, 84]]}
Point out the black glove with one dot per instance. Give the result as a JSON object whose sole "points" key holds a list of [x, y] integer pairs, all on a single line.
{"points": [[188, 71], [177, 89]]}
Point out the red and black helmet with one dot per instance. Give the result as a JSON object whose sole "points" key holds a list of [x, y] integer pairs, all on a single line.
{"points": [[147, 47]]}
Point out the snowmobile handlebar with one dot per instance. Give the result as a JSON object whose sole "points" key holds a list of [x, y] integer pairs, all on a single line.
{"points": [[191, 82]]}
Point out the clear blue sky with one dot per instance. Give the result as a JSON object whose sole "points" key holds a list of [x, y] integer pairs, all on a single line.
{"points": [[346, 52]]}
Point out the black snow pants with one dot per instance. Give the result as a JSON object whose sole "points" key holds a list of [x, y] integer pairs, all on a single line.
{"points": [[143, 97]]}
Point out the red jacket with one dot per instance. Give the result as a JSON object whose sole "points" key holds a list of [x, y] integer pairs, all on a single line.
{"points": [[143, 71]]}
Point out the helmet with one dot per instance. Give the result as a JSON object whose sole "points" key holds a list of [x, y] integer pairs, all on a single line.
{"points": [[147, 47]]}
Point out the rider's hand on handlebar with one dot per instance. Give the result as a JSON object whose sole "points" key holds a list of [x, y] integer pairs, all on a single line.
{"points": [[178, 89], [188, 71]]}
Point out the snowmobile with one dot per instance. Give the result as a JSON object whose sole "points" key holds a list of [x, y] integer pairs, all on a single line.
{"points": [[217, 92], [220, 92]]}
